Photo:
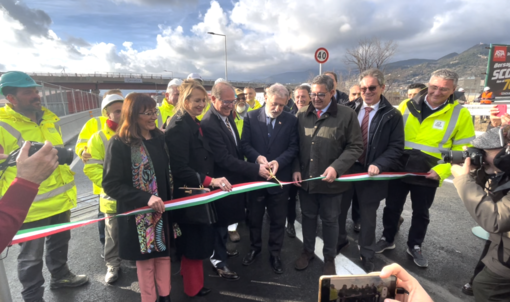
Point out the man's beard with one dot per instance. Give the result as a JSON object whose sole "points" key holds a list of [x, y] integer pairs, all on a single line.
{"points": [[240, 109]]}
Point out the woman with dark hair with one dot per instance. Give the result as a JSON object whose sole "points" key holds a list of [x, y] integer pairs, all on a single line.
{"points": [[137, 174], [192, 163]]}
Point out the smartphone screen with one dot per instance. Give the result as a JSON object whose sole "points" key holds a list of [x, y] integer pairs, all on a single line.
{"points": [[356, 288], [502, 110]]}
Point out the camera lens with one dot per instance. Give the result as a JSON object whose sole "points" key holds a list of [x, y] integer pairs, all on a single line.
{"points": [[65, 156]]}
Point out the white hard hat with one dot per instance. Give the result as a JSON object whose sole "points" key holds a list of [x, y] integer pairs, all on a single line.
{"points": [[487, 88], [461, 89], [194, 76], [220, 80], [306, 84], [174, 82], [112, 98]]}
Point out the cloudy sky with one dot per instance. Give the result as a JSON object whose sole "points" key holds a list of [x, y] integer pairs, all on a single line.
{"points": [[265, 37]]}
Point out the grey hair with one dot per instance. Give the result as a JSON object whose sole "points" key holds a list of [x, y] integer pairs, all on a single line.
{"points": [[278, 90], [374, 73], [324, 80], [446, 74], [217, 88]]}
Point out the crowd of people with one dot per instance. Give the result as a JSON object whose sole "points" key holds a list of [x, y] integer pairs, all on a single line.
{"points": [[138, 154]]}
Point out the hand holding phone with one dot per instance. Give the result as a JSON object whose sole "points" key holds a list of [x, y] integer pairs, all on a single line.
{"points": [[357, 288]]}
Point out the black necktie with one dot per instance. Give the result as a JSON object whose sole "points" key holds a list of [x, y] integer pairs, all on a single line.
{"points": [[270, 127]]}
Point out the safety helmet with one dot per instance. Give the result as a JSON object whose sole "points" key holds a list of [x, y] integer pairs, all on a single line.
{"points": [[112, 98], [487, 88], [461, 89], [174, 82], [195, 76], [16, 79]]}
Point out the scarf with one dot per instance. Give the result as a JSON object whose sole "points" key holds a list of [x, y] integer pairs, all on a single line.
{"points": [[112, 125], [151, 233]]}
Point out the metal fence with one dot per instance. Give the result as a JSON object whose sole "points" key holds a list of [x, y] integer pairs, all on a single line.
{"points": [[64, 101]]}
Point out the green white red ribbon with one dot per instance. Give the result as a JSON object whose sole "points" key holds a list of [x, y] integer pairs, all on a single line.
{"points": [[41, 232]]}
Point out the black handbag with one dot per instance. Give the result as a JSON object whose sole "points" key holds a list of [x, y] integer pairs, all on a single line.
{"points": [[200, 214]]}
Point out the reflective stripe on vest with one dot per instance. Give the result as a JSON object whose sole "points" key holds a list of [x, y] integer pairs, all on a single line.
{"points": [[55, 192], [105, 140], [464, 141], [99, 126], [10, 129], [94, 161], [160, 119], [449, 130]]}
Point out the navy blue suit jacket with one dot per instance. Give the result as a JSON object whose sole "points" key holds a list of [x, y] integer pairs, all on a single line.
{"points": [[283, 146]]}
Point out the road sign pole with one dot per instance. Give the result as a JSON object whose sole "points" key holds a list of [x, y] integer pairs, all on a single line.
{"points": [[320, 69]]}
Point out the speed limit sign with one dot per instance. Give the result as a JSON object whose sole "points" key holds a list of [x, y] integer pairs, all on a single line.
{"points": [[321, 55]]}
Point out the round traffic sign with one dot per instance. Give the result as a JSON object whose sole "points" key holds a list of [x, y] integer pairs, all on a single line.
{"points": [[321, 55]]}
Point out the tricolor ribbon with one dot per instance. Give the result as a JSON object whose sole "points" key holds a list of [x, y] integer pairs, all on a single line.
{"points": [[41, 232]]}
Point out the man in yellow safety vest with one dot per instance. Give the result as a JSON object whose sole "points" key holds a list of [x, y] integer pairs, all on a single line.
{"points": [[167, 107], [92, 126], [250, 98], [24, 119], [433, 122], [111, 107]]}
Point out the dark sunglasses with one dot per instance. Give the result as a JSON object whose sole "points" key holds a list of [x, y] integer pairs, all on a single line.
{"points": [[370, 88]]}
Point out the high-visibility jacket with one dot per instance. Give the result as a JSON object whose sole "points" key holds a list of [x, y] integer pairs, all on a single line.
{"points": [[97, 146], [256, 106], [92, 126], [57, 193], [166, 110], [204, 112], [239, 123], [449, 128], [486, 97]]}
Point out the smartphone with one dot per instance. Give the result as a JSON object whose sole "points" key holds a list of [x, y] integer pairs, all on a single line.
{"points": [[356, 288], [502, 110]]}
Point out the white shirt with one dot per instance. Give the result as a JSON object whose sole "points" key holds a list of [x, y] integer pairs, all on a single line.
{"points": [[371, 115], [325, 109], [225, 120], [434, 109]]}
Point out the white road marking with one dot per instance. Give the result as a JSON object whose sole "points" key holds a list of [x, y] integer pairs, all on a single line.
{"points": [[344, 266], [274, 283], [75, 161]]}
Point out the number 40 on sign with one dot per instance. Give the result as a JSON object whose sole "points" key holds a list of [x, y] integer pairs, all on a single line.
{"points": [[321, 56]]}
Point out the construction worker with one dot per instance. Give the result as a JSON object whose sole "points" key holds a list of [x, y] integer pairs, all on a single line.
{"points": [[486, 97], [167, 107], [92, 126], [432, 122], [250, 98], [111, 108], [240, 110], [24, 119]]}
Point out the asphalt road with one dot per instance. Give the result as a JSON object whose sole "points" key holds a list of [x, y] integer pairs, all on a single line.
{"points": [[450, 246]]}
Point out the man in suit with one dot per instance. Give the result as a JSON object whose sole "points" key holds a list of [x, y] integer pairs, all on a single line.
{"points": [[329, 143], [382, 131], [270, 137], [220, 129]]}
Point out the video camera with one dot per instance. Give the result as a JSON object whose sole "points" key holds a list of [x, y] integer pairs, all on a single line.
{"points": [[65, 156], [458, 157]]}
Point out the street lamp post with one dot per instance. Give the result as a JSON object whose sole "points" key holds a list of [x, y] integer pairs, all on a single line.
{"points": [[225, 36]]}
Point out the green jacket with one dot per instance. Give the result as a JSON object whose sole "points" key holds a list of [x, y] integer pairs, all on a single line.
{"points": [[333, 140]]}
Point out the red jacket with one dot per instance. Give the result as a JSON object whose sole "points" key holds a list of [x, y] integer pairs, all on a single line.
{"points": [[14, 207]]}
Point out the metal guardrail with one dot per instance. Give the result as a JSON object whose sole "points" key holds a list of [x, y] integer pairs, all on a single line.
{"points": [[64, 101]]}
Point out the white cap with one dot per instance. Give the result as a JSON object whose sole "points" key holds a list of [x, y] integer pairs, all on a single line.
{"points": [[306, 84], [174, 82], [112, 98], [461, 89], [220, 80], [487, 88], [194, 76]]}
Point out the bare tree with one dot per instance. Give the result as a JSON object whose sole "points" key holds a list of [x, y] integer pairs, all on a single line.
{"points": [[370, 53]]}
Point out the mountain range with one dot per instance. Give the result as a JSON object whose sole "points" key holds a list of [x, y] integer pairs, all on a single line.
{"points": [[471, 62]]}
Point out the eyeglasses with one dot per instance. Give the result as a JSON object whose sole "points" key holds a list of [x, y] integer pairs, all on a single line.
{"points": [[441, 89], [228, 103], [151, 113], [242, 98], [370, 88], [317, 95]]}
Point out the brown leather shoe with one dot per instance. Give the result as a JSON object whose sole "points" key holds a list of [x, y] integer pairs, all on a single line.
{"points": [[329, 266], [304, 260], [234, 236]]}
